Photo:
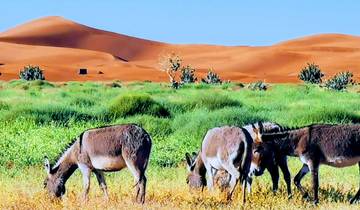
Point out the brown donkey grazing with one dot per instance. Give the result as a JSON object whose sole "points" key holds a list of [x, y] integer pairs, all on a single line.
{"points": [[227, 148], [99, 150], [333, 145], [266, 156]]}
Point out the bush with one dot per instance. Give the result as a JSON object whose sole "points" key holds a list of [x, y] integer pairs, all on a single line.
{"points": [[211, 102], [187, 75], [212, 78], [132, 104], [259, 85], [114, 85], [32, 73], [340, 81], [311, 74], [4, 106]]}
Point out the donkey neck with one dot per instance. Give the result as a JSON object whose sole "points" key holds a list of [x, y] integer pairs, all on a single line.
{"points": [[66, 165], [289, 144]]}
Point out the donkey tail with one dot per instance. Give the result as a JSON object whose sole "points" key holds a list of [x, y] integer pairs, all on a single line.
{"points": [[246, 157]]}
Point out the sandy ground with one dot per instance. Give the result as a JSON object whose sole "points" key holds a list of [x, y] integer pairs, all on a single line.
{"points": [[61, 47]]}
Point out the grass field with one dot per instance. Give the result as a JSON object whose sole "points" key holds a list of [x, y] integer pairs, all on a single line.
{"points": [[41, 118]]}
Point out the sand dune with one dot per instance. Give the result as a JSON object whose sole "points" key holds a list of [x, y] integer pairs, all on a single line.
{"points": [[61, 47]]}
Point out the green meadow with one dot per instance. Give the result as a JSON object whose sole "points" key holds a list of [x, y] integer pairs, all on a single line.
{"points": [[40, 118]]}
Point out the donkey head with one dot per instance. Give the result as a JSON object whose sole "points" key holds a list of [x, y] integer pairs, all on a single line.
{"points": [[196, 176], [257, 166], [53, 183]]}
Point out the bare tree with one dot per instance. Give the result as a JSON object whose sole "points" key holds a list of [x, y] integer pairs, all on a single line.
{"points": [[170, 63]]}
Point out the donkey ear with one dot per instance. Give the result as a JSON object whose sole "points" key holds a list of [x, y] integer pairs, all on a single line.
{"points": [[47, 165], [188, 159]]}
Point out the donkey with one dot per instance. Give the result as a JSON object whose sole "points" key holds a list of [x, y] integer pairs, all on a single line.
{"points": [[333, 145], [227, 148], [99, 150], [265, 156]]}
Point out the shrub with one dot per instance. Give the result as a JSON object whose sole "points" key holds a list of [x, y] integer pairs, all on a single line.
{"points": [[4, 106], [187, 75], [211, 102], [32, 73], [132, 104], [340, 81], [259, 85], [212, 78], [114, 85], [311, 74], [82, 102]]}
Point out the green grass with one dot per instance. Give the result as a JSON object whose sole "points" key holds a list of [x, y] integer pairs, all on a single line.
{"points": [[41, 118]]}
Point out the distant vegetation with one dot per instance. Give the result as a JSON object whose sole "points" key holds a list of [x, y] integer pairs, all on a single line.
{"points": [[311, 74], [212, 78], [259, 85], [172, 63], [340, 81], [32, 73]]}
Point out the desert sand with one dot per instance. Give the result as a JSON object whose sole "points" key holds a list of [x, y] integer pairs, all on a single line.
{"points": [[61, 47]]}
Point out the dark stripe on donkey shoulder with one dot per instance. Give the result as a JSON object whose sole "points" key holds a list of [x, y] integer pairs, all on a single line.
{"points": [[81, 139]]}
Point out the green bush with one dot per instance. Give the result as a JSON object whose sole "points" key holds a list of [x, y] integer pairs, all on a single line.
{"points": [[83, 102], [4, 105], [212, 78], [133, 104], [311, 74], [187, 75], [340, 81], [211, 102], [259, 85], [32, 73]]}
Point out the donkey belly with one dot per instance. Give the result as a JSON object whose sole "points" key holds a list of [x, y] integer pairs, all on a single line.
{"points": [[108, 163], [342, 161]]}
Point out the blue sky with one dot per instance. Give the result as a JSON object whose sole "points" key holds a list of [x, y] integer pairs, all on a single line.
{"points": [[198, 21]]}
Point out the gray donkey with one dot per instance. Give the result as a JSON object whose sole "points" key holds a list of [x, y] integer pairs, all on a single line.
{"points": [[227, 148], [99, 150]]}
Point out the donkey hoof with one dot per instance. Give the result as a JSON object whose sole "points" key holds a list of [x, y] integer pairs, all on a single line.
{"points": [[316, 202], [353, 200], [306, 196], [290, 196]]}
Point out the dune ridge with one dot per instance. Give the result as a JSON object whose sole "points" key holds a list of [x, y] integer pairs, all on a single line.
{"points": [[61, 47]]}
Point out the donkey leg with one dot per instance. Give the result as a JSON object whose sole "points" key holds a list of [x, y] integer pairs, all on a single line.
{"points": [[101, 180], [210, 175], [286, 173], [274, 172], [357, 196], [235, 175], [248, 183], [314, 169], [86, 172], [140, 181], [297, 180]]}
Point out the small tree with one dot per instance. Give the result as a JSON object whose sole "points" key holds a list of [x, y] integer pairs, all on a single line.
{"points": [[340, 81], [170, 63], [187, 75], [32, 73], [212, 78], [311, 74]]}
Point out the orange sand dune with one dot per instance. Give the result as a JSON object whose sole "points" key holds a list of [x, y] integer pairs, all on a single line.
{"points": [[61, 47]]}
